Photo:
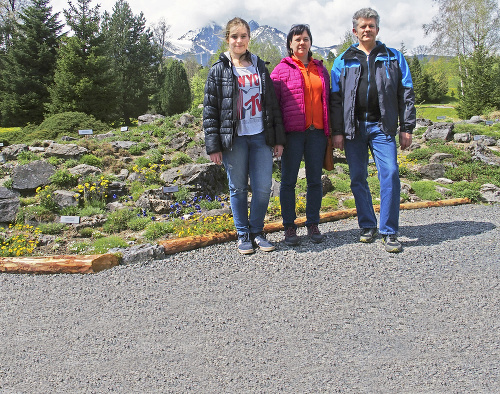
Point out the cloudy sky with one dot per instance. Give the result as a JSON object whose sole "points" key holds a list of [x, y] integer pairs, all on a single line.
{"points": [[401, 20]]}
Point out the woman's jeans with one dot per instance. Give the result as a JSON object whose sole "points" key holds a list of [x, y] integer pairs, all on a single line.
{"points": [[249, 157], [384, 151], [311, 144]]}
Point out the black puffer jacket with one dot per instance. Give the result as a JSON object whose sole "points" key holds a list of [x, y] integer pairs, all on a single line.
{"points": [[219, 106]]}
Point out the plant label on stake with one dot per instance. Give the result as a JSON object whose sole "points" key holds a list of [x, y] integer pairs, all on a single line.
{"points": [[440, 117], [70, 219], [124, 128], [170, 189], [85, 132]]}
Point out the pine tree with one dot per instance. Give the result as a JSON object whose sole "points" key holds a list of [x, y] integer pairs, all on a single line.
{"points": [[134, 59], [176, 93], [478, 76], [29, 65], [84, 79]]}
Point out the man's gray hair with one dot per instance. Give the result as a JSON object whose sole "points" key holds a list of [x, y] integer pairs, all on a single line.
{"points": [[365, 13]]}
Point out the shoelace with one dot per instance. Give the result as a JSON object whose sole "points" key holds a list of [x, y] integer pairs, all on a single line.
{"points": [[314, 230]]}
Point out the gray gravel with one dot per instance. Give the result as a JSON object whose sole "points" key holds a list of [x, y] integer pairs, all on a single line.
{"points": [[335, 317]]}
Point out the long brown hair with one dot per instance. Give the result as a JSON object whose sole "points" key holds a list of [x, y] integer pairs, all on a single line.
{"points": [[239, 22]]}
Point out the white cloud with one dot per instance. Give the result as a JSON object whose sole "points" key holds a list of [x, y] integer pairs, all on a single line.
{"points": [[401, 21]]}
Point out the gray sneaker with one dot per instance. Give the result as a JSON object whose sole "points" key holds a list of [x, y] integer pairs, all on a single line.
{"points": [[291, 238], [392, 245], [368, 235], [314, 234], [259, 240], [245, 244]]}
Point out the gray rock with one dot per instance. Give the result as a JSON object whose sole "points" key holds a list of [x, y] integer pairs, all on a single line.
{"points": [[302, 173], [65, 198], [114, 206], [327, 184], [405, 188], [443, 190], [443, 181], [124, 173], [462, 137], [12, 151], [275, 188], [32, 175], [101, 137], [122, 145], [84, 170], [205, 178], [140, 253], [439, 157], [476, 119], [432, 171], [9, 205], [490, 193], [485, 140], [423, 122], [68, 138], [441, 130], [36, 149], [66, 151], [90, 221], [185, 120], [149, 118], [414, 146], [481, 153]]}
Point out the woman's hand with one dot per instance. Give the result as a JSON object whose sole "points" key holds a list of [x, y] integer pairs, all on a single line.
{"points": [[216, 157], [338, 141], [278, 150]]}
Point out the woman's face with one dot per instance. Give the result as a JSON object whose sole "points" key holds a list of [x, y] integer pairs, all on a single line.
{"points": [[301, 44], [238, 40]]}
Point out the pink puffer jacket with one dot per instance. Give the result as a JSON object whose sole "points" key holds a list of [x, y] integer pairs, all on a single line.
{"points": [[289, 86]]}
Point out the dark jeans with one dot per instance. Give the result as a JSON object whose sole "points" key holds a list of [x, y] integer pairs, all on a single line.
{"points": [[310, 144]]}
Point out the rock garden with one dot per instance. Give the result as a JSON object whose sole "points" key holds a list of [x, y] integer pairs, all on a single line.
{"points": [[73, 185]]}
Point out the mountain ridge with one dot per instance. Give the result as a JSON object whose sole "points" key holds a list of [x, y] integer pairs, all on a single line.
{"points": [[202, 43]]}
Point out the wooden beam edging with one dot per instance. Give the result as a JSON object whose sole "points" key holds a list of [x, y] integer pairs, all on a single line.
{"points": [[176, 245], [63, 264], [86, 264]]}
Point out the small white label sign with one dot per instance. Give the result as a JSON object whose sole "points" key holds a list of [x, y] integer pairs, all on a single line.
{"points": [[1, 143], [70, 219], [170, 189], [440, 117], [124, 128], [85, 132]]}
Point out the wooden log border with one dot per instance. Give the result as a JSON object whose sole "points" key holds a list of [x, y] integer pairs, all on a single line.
{"points": [[85, 264]]}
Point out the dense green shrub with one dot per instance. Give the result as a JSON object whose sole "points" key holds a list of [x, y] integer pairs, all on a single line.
{"points": [[426, 190], [102, 245], [91, 160], [64, 178], [52, 228], [157, 230], [117, 220]]}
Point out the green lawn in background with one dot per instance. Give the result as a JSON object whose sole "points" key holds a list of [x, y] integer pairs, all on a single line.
{"points": [[432, 111]]}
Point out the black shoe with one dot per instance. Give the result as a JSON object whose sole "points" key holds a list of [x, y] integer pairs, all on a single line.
{"points": [[368, 235], [259, 241], [314, 234], [245, 244], [392, 245], [291, 238]]}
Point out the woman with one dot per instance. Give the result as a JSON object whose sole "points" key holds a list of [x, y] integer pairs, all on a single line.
{"points": [[302, 86], [243, 129]]}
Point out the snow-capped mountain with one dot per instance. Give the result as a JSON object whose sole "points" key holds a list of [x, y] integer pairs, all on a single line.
{"points": [[203, 43]]}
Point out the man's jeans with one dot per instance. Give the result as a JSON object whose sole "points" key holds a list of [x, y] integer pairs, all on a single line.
{"points": [[384, 152], [249, 156], [311, 144]]}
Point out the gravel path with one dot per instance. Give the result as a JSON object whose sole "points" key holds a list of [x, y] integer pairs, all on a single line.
{"points": [[335, 317]]}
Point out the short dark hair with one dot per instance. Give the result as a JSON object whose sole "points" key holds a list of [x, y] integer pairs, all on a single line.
{"points": [[297, 30]]}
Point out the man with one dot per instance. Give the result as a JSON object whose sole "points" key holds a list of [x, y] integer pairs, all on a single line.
{"points": [[371, 91]]}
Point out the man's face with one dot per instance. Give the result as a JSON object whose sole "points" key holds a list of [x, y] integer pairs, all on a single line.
{"points": [[366, 31]]}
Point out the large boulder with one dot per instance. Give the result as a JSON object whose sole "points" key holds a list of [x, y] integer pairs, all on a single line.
{"points": [[66, 151], [490, 193], [432, 171], [32, 175], [149, 118], [9, 205], [207, 179], [65, 198], [442, 131], [12, 151]]}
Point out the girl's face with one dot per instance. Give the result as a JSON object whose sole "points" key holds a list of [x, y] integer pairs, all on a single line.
{"points": [[238, 40]]}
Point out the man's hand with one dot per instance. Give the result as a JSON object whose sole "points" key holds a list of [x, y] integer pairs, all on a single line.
{"points": [[404, 140], [278, 150], [216, 157]]}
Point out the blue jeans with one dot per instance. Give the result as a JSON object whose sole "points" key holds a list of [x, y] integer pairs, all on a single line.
{"points": [[249, 157], [310, 144], [384, 152]]}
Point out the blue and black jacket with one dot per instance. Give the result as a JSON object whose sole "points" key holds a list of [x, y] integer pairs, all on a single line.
{"points": [[389, 71]]}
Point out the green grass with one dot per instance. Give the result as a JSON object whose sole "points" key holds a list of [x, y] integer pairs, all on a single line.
{"points": [[429, 111]]}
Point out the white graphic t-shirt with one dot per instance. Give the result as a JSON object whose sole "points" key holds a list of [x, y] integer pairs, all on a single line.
{"points": [[249, 104]]}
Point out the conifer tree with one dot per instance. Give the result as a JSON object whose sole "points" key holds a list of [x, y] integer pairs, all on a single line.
{"points": [[176, 93], [84, 79], [134, 59], [28, 68]]}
